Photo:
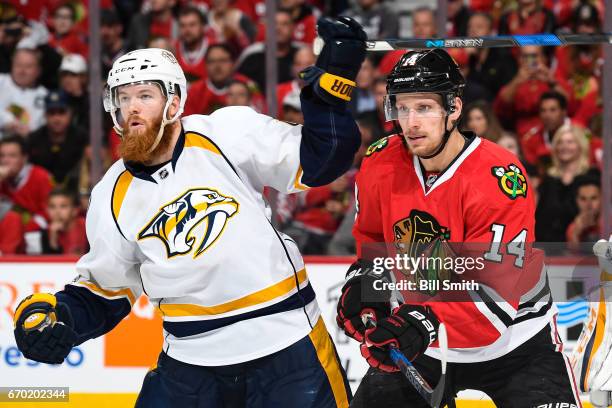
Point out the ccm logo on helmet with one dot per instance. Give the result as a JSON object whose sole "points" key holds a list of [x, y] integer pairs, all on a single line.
{"points": [[123, 69]]}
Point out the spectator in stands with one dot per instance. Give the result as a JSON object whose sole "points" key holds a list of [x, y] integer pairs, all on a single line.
{"points": [[304, 20], [238, 94], [192, 43], [65, 39], [25, 185], [585, 20], [481, 120], [530, 17], [362, 98], [58, 146], [557, 207], [207, 95], [73, 81], [487, 68], [230, 25], [19, 33], [423, 26], [157, 22], [252, 61], [11, 238], [318, 215], [423, 23], [302, 59], [22, 99], [161, 42], [377, 20], [586, 226], [510, 142], [292, 108], [111, 37], [65, 233], [553, 114], [533, 78], [457, 15]]}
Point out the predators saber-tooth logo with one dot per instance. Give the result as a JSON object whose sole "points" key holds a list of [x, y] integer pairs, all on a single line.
{"points": [[198, 210]]}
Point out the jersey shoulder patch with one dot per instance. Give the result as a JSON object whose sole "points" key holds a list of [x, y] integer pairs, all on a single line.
{"points": [[511, 180], [377, 146]]}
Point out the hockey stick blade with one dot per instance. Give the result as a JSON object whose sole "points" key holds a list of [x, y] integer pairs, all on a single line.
{"points": [[545, 39], [432, 396]]}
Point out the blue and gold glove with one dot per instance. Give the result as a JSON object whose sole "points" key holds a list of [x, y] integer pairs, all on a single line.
{"points": [[43, 329], [333, 75]]}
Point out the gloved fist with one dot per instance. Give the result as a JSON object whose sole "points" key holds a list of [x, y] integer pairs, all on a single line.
{"points": [[360, 297], [410, 329], [43, 329], [333, 76]]}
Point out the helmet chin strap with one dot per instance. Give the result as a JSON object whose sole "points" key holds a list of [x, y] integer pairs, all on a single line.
{"points": [[445, 138], [164, 122]]}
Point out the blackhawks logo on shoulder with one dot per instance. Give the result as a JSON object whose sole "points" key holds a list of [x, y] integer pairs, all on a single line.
{"points": [[377, 146], [511, 181]]}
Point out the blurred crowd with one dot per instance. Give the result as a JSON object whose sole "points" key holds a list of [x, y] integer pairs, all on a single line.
{"points": [[543, 104]]}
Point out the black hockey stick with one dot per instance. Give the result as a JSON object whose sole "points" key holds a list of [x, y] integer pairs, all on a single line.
{"points": [[545, 39], [432, 396]]}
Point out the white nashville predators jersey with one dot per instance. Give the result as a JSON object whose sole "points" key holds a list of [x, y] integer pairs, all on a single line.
{"points": [[195, 237]]}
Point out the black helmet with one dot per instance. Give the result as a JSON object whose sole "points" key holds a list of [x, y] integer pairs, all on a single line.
{"points": [[429, 71]]}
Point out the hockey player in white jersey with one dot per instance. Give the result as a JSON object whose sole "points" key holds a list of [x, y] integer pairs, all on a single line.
{"points": [[181, 219]]}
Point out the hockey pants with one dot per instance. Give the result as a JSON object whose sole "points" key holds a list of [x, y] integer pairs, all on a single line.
{"points": [[306, 374], [534, 375]]}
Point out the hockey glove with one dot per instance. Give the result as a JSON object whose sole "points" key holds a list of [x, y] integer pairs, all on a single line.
{"points": [[410, 328], [333, 76], [43, 329], [359, 297]]}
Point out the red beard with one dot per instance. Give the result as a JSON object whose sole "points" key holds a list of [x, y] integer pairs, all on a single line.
{"points": [[135, 144]]}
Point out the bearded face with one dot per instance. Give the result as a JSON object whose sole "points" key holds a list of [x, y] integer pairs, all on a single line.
{"points": [[138, 137], [142, 105]]}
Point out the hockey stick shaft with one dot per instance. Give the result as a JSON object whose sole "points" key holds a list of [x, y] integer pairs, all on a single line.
{"points": [[432, 396], [546, 39], [490, 42]]}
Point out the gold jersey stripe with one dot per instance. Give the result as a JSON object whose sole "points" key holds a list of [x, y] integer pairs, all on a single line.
{"points": [[599, 335], [195, 140], [107, 293], [272, 292], [121, 188], [297, 184], [327, 357]]}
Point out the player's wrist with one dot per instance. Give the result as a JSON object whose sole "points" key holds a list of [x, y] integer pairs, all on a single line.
{"points": [[332, 89]]}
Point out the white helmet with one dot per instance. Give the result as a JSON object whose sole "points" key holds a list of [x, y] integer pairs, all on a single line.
{"points": [[149, 65]]}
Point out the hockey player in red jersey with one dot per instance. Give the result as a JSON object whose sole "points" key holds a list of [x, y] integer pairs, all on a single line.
{"points": [[431, 183]]}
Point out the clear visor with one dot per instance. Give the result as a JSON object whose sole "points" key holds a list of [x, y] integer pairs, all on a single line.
{"points": [[421, 105], [145, 92]]}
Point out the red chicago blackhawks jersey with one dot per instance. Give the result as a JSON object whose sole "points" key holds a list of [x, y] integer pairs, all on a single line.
{"points": [[482, 206]]}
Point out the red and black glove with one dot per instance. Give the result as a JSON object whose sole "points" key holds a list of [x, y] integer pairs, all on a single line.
{"points": [[410, 328], [359, 296]]}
